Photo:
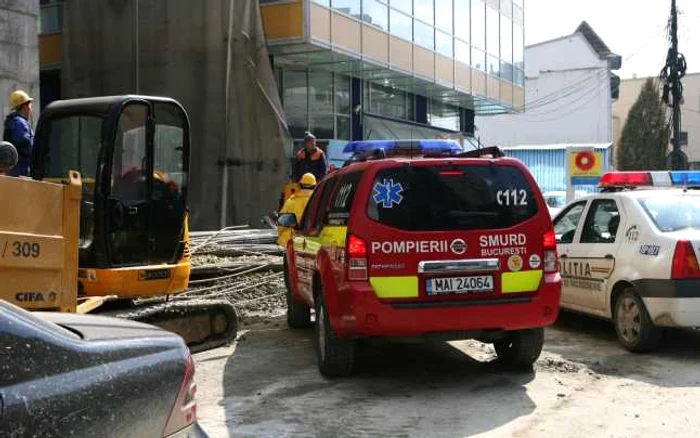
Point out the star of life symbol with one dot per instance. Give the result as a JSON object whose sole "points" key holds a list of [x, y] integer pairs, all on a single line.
{"points": [[387, 193]]}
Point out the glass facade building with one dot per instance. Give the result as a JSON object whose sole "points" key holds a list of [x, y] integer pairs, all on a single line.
{"points": [[430, 63]]}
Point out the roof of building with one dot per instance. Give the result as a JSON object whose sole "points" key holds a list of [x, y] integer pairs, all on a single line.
{"points": [[556, 146], [594, 40]]}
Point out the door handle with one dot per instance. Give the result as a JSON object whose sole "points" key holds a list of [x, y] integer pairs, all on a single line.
{"points": [[609, 256], [563, 256]]}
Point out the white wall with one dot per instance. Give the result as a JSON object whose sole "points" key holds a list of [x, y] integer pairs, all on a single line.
{"points": [[567, 99]]}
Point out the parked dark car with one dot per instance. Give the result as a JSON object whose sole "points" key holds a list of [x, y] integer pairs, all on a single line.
{"points": [[68, 375]]}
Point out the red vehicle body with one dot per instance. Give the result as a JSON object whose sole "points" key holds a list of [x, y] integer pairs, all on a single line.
{"points": [[459, 247]]}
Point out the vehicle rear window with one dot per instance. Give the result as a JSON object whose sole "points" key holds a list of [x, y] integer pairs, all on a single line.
{"points": [[436, 198], [669, 213], [341, 202]]}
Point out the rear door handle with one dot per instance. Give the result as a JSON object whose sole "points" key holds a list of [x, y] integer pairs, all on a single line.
{"points": [[609, 256], [564, 256]]}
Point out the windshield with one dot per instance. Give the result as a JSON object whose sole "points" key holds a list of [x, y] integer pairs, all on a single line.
{"points": [[436, 198], [555, 201], [669, 214]]}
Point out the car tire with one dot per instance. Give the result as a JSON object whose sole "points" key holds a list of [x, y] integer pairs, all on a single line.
{"points": [[521, 348], [336, 357], [298, 313], [633, 325]]}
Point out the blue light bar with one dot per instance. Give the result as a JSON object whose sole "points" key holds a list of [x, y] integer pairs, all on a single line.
{"points": [[685, 178], [417, 146]]}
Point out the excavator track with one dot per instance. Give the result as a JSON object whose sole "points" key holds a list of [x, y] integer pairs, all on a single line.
{"points": [[202, 324]]}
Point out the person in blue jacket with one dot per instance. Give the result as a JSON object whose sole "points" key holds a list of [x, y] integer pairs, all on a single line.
{"points": [[18, 131], [310, 159]]}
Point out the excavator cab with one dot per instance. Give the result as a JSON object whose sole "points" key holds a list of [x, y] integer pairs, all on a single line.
{"points": [[133, 155]]}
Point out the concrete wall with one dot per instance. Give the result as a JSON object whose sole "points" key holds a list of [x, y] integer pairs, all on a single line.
{"points": [[567, 99], [690, 111], [181, 52], [19, 51]]}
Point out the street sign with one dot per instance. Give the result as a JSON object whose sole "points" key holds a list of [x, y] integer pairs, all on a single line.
{"points": [[585, 163]]}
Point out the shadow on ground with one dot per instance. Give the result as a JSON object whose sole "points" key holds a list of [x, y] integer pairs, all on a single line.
{"points": [[593, 343], [272, 388]]}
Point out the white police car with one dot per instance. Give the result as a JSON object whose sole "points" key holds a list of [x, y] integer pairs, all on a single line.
{"points": [[630, 254]]}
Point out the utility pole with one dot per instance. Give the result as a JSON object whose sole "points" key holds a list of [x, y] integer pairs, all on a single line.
{"points": [[671, 75]]}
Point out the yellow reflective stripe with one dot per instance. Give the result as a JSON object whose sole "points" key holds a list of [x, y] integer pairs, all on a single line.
{"points": [[395, 287], [313, 245], [334, 235], [524, 281]]}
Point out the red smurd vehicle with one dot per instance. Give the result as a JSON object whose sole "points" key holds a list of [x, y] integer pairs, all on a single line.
{"points": [[445, 243]]}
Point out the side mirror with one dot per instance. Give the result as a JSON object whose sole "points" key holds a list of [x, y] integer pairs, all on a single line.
{"points": [[287, 220], [8, 156]]}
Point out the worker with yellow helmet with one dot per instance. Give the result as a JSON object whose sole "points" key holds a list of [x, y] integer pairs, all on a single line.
{"points": [[18, 131], [296, 204]]}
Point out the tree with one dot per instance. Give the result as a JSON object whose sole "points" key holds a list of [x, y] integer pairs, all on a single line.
{"points": [[644, 141]]}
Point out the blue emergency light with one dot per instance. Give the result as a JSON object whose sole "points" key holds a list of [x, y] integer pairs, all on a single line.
{"points": [[689, 178], [417, 147]]}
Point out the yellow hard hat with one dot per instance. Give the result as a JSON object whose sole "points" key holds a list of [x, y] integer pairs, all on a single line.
{"points": [[308, 179], [19, 98]]}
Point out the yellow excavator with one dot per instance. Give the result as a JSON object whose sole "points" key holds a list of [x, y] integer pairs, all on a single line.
{"points": [[104, 219]]}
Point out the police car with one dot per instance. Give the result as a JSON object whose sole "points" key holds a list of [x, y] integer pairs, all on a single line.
{"points": [[456, 247], [630, 254]]}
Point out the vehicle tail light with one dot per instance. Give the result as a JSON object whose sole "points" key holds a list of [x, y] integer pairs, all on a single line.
{"points": [[184, 411], [685, 264], [549, 244], [357, 258]]}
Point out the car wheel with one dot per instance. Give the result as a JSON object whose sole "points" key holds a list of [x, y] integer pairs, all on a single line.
{"points": [[298, 313], [634, 327], [336, 357], [521, 348]]}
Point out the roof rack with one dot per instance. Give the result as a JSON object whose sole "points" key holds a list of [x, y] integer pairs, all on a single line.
{"points": [[488, 152]]}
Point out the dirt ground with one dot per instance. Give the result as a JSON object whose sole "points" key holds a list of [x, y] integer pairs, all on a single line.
{"points": [[584, 385]]}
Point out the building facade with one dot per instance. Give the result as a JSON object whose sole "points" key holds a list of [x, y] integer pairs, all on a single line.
{"points": [[690, 112], [355, 69], [366, 69], [569, 91], [19, 51]]}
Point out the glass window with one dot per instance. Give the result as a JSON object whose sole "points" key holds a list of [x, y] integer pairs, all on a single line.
{"points": [[296, 102], [444, 116], [342, 94], [518, 47], [443, 44], [326, 3], [461, 19], [322, 125], [341, 202], [343, 129], [567, 222], [51, 19], [492, 32], [443, 15], [506, 40], [519, 77], [462, 51], [320, 92], [375, 13], [403, 5], [602, 222], [401, 25], [465, 198], [478, 24], [493, 66], [506, 71], [350, 7], [424, 35], [388, 101], [169, 146], [478, 59], [424, 10], [674, 212], [326, 191]]}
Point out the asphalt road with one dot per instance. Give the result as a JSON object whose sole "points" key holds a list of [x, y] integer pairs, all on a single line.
{"points": [[584, 385]]}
